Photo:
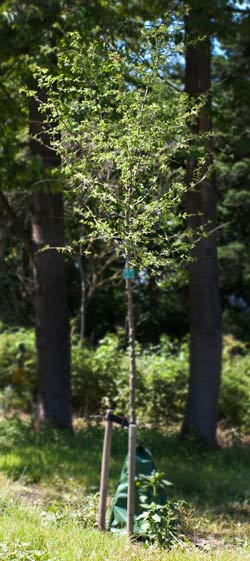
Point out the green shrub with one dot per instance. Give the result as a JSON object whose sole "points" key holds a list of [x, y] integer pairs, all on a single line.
{"points": [[17, 370], [10, 342], [164, 370], [94, 374], [85, 384], [100, 377], [234, 405]]}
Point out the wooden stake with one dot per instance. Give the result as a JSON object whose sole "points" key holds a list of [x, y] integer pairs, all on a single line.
{"points": [[104, 473], [131, 478]]}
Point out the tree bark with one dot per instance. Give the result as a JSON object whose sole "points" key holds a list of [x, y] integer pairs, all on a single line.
{"points": [[50, 294], [132, 411], [204, 299]]}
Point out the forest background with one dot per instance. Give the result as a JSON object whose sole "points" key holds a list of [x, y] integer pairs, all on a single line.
{"points": [[79, 296]]}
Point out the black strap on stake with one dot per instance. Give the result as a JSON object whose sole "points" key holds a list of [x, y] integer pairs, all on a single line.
{"points": [[116, 419]]}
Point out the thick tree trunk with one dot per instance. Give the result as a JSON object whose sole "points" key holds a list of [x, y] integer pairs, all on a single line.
{"points": [[50, 295], [205, 315]]}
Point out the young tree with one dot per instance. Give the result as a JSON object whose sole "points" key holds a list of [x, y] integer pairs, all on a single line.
{"points": [[122, 128]]}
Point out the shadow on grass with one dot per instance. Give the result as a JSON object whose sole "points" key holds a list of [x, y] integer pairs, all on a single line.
{"points": [[208, 479]]}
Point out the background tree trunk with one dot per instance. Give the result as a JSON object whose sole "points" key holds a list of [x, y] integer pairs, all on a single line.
{"points": [[50, 297], [205, 315]]}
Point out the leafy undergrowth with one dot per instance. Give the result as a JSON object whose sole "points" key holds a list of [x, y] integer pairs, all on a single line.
{"points": [[48, 496], [162, 373]]}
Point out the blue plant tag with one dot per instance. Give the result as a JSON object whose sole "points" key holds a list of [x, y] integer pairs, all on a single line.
{"points": [[128, 273]]}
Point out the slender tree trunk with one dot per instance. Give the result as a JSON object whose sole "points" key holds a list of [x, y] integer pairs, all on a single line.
{"points": [[50, 297], [205, 315], [131, 335], [132, 411]]}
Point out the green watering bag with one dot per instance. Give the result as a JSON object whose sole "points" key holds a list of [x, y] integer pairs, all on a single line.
{"points": [[144, 466]]}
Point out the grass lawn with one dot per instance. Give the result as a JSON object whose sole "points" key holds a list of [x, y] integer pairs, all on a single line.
{"points": [[48, 496]]}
